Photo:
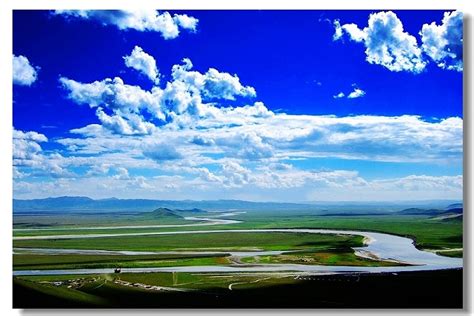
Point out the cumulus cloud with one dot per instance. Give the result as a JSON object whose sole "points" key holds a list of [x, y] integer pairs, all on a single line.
{"points": [[144, 63], [126, 103], [235, 175], [189, 87], [202, 141], [26, 145], [357, 93], [23, 72], [386, 42], [120, 106], [140, 20], [289, 137], [404, 138], [125, 124], [351, 29], [185, 129], [248, 146], [444, 43], [27, 153], [98, 169]]}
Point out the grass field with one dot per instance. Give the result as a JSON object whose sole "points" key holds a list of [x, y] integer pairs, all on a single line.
{"points": [[214, 289], [427, 233], [33, 262], [343, 257], [211, 241]]}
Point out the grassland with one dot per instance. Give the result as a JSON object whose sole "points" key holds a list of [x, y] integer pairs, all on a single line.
{"points": [[35, 262], [332, 257], [225, 289], [78, 220], [427, 233], [208, 241]]}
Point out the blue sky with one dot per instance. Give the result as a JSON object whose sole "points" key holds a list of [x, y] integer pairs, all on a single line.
{"points": [[255, 105]]}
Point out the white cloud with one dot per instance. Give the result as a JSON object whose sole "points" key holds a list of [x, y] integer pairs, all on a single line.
{"points": [[337, 30], [352, 29], [140, 20], [339, 95], [248, 146], [27, 153], [129, 124], [405, 138], [184, 130], [191, 86], [98, 169], [202, 141], [238, 182], [444, 43], [186, 22], [144, 63], [185, 94], [17, 174], [114, 94], [357, 93], [23, 72], [409, 188], [421, 183], [121, 174], [26, 146], [126, 103], [160, 152], [386, 42], [282, 136], [235, 175]]}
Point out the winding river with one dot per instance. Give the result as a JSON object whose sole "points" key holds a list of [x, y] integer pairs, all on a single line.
{"points": [[380, 245]]}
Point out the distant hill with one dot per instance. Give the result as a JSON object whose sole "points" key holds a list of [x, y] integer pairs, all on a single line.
{"points": [[54, 203], [454, 219], [177, 213], [68, 204], [162, 213], [454, 206], [454, 211], [431, 212], [72, 204]]}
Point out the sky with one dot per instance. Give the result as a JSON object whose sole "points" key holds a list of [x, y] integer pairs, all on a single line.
{"points": [[252, 105]]}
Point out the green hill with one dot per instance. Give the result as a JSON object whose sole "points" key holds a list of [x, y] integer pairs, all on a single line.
{"points": [[162, 213]]}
